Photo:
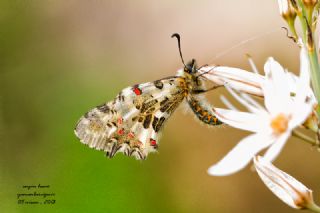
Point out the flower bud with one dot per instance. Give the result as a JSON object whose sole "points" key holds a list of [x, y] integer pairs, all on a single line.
{"points": [[284, 186], [310, 3], [287, 10], [312, 121]]}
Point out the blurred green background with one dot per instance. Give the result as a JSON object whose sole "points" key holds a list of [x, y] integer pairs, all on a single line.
{"points": [[58, 59]]}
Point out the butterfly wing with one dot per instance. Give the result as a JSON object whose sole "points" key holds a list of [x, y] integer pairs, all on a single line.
{"points": [[132, 121]]}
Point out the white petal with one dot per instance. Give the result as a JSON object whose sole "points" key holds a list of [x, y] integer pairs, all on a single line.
{"points": [[293, 81], [276, 147], [300, 114], [283, 6], [236, 78], [252, 64], [228, 104], [301, 107], [284, 186], [304, 66], [243, 101], [253, 102], [244, 120], [240, 155], [276, 88], [232, 73]]}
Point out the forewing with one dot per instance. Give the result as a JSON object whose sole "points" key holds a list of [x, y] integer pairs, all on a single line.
{"points": [[132, 121]]}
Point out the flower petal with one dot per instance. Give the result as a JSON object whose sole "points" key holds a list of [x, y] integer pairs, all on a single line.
{"points": [[244, 120], [276, 88], [255, 108], [236, 78], [240, 155], [276, 147], [283, 6], [303, 103], [304, 67], [300, 114], [228, 104]]}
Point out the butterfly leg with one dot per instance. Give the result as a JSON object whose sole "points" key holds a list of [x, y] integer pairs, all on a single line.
{"points": [[199, 91]]}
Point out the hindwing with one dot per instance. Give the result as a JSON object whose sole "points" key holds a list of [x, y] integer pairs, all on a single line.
{"points": [[131, 123]]}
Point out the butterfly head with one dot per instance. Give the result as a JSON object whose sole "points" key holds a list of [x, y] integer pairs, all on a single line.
{"points": [[191, 67]]}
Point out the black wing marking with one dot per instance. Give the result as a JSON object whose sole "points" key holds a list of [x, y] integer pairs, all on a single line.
{"points": [[132, 121]]}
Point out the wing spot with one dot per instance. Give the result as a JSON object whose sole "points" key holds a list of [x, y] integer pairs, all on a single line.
{"points": [[147, 106], [157, 123], [153, 143], [158, 84], [120, 121], [137, 90], [130, 135], [103, 108], [147, 121], [121, 131]]}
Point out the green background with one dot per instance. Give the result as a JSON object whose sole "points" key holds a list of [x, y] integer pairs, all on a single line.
{"points": [[58, 59]]}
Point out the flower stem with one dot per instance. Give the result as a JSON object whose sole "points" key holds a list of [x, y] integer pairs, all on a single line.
{"points": [[292, 29], [315, 74], [314, 207], [305, 17], [302, 16], [305, 138]]}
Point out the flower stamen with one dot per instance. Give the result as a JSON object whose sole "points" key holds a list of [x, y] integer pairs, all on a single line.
{"points": [[280, 123]]}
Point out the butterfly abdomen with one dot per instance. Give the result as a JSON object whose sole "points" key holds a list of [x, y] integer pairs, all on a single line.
{"points": [[203, 112]]}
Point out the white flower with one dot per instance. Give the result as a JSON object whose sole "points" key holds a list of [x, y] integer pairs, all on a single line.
{"points": [[245, 81], [284, 186], [271, 125]]}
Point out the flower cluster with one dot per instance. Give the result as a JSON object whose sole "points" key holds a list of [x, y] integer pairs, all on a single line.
{"points": [[290, 102]]}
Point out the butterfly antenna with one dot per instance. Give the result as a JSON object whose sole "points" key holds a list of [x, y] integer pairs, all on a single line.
{"points": [[178, 38]]}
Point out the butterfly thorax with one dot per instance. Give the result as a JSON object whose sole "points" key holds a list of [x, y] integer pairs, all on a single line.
{"points": [[190, 81]]}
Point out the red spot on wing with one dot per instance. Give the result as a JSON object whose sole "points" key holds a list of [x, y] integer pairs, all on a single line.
{"points": [[120, 120], [153, 142], [121, 131], [137, 90], [130, 135]]}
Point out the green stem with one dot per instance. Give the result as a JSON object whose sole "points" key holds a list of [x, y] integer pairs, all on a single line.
{"points": [[292, 29], [309, 12], [305, 138], [312, 50], [317, 6], [313, 207], [315, 74], [302, 15]]}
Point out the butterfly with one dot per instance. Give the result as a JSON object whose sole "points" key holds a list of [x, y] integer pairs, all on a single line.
{"points": [[132, 122]]}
